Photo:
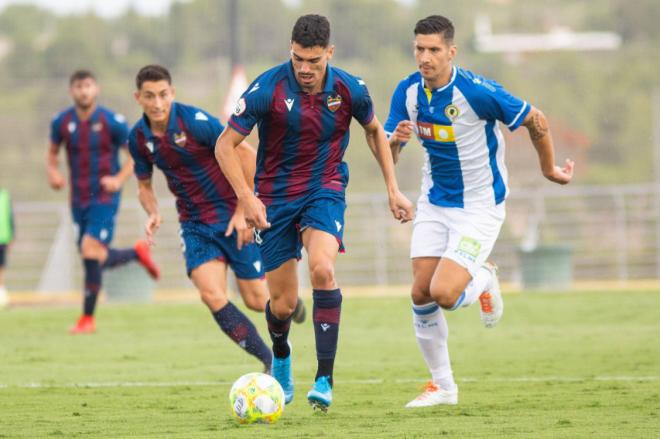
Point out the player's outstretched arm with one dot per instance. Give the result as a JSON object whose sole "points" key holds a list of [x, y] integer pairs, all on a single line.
{"points": [[230, 163], [539, 133], [114, 183], [55, 178], [401, 207], [149, 203]]}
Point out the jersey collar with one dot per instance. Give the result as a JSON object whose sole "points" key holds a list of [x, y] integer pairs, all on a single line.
{"points": [[444, 87], [172, 125], [328, 87]]}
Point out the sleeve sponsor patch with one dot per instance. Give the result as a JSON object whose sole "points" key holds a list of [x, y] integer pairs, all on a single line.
{"points": [[240, 107]]}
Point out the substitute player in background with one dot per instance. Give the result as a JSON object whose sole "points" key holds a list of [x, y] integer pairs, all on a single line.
{"points": [[92, 136], [304, 108], [179, 139], [455, 115], [6, 237]]}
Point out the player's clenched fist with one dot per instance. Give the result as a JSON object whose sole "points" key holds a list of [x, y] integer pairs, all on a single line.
{"points": [[403, 131]]}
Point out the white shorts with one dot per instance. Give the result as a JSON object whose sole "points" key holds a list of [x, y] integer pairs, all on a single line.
{"points": [[466, 236]]}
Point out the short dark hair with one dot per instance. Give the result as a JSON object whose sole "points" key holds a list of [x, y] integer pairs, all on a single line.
{"points": [[79, 75], [436, 24], [311, 30], [152, 72]]}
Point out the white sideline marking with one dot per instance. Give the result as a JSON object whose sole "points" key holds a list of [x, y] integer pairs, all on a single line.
{"points": [[115, 384]]}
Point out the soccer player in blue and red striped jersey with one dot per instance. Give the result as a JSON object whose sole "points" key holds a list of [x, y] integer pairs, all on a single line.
{"points": [[92, 137], [304, 108], [179, 139]]}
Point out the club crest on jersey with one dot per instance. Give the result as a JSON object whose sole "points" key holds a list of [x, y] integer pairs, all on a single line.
{"points": [[180, 139], [452, 111], [98, 126], [334, 102], [71, 127]]}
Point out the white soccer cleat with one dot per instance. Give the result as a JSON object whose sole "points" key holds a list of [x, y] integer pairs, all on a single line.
{"points": [[434, 395], [490, 301]]}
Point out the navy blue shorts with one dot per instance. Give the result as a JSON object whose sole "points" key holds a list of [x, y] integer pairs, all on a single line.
{"points": [[322, 210], [95, 220], [202, 243]]}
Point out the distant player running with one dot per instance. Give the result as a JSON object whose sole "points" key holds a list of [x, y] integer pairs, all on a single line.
{"points": [[304, 108], [92, 136], [455, 115], [180, 139]]}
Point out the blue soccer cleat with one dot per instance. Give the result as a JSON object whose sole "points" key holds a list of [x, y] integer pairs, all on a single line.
{"points": [[320, 397], [282, 373]]}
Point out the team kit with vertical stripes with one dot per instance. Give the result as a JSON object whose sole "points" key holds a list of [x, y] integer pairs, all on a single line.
{"points": [[92, 148], [301, 176], [205, 201], [464, 184]]}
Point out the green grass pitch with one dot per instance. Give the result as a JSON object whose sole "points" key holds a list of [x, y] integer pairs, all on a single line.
{"points": [[558, 365]]}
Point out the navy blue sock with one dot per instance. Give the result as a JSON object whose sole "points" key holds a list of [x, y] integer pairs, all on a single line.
{"points": [[92, 285], [118, 257], [279, 333], [326, 314], [240, 329]]}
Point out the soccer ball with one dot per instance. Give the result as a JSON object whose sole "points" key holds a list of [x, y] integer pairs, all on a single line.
{"points": [[256, 397]]}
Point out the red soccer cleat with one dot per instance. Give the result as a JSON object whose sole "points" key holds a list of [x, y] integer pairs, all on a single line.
{"points": [[144, 258], [84, 325]]}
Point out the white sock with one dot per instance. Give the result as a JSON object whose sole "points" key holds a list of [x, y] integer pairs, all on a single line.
{"points": [[432, 333], [477, 285]]}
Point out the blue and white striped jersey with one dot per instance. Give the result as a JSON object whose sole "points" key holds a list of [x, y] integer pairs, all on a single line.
{"points": [[458, 127]]}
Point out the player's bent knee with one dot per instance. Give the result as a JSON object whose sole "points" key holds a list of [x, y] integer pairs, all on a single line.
{"points": [[444, 297], [323, 276], [213, 299], [420, 296]]}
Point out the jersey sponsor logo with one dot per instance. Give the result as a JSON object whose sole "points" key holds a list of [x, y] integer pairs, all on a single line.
{"points": [[255, 87], [150, 146], [438, 133], [180, 139], [334, 102], [240, 107], [452, 112], [468, 248], [289, 103], [201, 116], [98, 126], [71, 127]]}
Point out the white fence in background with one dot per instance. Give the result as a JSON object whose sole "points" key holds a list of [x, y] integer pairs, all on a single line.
{"points": [[614, 232]]}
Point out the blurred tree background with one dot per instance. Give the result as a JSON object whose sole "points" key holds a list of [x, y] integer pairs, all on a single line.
{"points": [[599, 103]]}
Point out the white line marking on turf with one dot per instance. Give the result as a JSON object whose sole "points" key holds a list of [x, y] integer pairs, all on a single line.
{"points": [[116, 384]]}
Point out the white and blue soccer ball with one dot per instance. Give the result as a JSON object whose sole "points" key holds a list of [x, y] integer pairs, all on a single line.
{"points": [[256, 397]]}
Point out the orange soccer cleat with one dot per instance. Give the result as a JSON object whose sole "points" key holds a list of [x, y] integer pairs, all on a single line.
{"points": [[143, 252], [84, 325]]}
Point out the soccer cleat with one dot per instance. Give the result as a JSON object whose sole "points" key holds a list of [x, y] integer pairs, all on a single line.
{"points": [[281, 370], [320, 397], [492, 305], [300, 312], [84, 325], [143, 252], [434, 395]]}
